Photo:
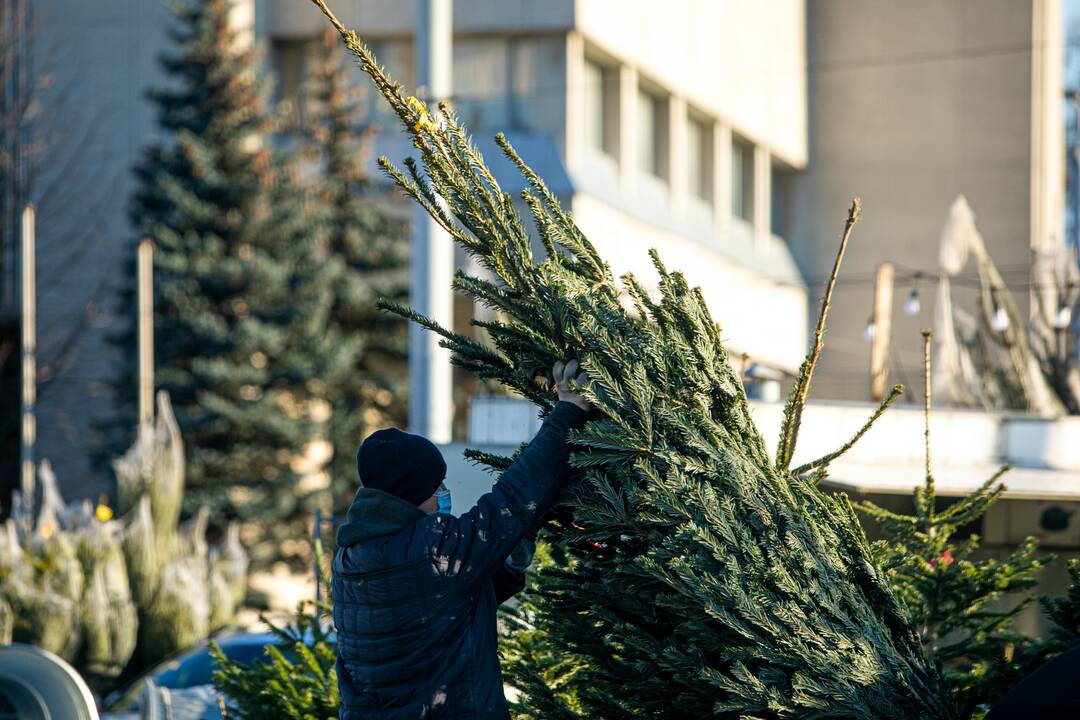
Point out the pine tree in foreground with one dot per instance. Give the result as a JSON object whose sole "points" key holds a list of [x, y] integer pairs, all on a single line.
{"points": [[239, 312], [298, 678], [951, 597], [364, 374], [727, 584]]}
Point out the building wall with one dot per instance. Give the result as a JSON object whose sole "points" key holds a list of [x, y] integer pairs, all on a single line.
{"points": [[723, 75], [100, 58], [910, 105], [757, 314], [741, 61], [300, 18]]}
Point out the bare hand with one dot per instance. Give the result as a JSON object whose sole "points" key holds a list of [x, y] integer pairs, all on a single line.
{"points": [[563, 374]]}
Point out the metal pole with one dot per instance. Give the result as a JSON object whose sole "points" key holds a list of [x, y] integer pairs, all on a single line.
{"points": [[432, 261], [317, 535], [29, 348], [146, 336], [1076, 176], [879, 345]]}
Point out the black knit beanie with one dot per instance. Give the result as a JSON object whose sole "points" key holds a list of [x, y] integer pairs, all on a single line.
{"points": [[406, 466]]}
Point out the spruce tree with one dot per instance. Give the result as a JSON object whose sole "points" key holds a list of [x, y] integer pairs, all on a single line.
{"points": [[953, 599], [238, 307], [365, 249], [706, 578], [298, 677]]}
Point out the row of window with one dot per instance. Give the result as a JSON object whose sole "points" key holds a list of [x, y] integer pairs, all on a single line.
{"points": [[519, 83], [499, 82], [653, 138]]}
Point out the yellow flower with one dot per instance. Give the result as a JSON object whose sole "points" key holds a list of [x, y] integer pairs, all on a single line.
{"points": [[46, 530], [423, 119], [103, 512]]}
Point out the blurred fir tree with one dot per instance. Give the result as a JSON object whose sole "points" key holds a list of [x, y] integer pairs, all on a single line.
{"points": [[364, 249], [240, 307], [964, 608]]}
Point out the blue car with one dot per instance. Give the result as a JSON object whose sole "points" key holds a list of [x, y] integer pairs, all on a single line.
{"points": [[190, 671]]}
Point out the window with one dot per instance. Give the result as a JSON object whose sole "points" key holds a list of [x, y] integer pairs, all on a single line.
{"points": [[652, 134], [600, 108], [699, 158], [481, 82], [742, 179], [778, 200], [396, 55], [535, 95], [292, 61]]}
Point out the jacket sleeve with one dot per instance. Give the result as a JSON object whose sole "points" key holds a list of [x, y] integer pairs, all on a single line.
{"points": [[508, 582], [509, 579], [472, 547]]}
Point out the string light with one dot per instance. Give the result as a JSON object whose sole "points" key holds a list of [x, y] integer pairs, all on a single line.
{"points": [[1063, 318], [870, 331], [1000, 321], [913, 305]]}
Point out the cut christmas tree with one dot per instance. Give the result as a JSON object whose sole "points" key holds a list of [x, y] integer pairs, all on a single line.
{"points": [[705, 577]]}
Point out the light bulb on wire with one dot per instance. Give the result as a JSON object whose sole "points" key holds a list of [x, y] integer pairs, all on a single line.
{"points": [[913, 304], [1000, 320], [1063, 318]]}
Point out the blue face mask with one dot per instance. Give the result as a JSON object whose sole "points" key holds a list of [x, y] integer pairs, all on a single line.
{"points": [[443, 498]]}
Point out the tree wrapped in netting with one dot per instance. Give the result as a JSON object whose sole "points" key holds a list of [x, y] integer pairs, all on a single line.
{"points": [[179, 614], [228, 577], [100, 590], [153, 468], [964, 608], [109, 618], [141, 554], [706, 577], [46, 584], [7, 622]]}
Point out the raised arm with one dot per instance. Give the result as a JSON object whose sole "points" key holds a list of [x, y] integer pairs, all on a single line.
{"points": [[473, 547]]}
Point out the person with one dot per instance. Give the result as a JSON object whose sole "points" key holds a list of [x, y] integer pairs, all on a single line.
{"points": [[416, 589], [1051, 691]]}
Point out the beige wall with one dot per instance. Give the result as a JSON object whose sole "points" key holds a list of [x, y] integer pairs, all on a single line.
{"points": [[757, 315], [300, 18], [741, 61], [912, 104]]}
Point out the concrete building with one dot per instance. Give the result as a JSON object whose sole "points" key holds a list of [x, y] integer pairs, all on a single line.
{"points": [[670, 134], [910, 105], [729, 135], [674, 134]]}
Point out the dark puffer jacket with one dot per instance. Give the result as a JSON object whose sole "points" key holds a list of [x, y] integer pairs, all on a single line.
{"points": [[415, 594]]}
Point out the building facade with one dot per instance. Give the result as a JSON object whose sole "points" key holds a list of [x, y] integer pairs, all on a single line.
{"points": [[671, 134], [911, 105], [729, 135]]}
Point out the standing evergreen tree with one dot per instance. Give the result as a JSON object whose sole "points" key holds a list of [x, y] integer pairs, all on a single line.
{"points": [[950, 596], [238, 309], [365, 255], [706, 578]]}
